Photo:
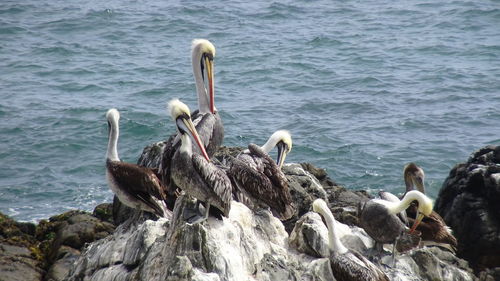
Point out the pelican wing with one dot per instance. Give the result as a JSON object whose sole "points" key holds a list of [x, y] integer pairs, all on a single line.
{"points": [[271, 170], [432, 227], [263, 180], [139, 182], [216, 179]]}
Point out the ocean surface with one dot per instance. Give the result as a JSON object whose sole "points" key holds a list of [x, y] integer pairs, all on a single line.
{"points": [[363, 86]]}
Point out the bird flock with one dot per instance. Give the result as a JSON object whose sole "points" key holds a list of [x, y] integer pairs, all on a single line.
{"points": [[256, 180]]}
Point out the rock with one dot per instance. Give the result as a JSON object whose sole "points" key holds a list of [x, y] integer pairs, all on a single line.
{"points": [[60, 268], [216, 249], [319, 270], [468, 202], [427, 263], [310, 236], [27, 250], [20, 256], [80, 228], [246, 246], [491, 274], [304, 188], [343, 202], [18, 264], [104, 212]]}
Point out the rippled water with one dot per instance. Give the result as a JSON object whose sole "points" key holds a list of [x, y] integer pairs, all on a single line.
{"points": [[364, 87]]}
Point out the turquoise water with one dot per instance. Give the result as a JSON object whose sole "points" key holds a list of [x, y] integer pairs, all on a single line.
{"points": [[363, 86]]}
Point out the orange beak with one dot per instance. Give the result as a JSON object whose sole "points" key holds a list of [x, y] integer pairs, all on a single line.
{"points": [[417, 222], [192, 129]]}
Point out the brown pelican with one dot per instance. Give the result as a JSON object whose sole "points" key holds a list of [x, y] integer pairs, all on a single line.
{"points": [[206, 119], [194, 173], [378, 217], [346, 264], [135, 186], [433, 227], [259, 180]]}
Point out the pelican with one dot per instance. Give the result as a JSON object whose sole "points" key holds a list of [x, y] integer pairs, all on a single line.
{"points": [[433, 227], [259, 180], [137, 187], [206, 119], [194, 173], [346, 264], [378, 217]]}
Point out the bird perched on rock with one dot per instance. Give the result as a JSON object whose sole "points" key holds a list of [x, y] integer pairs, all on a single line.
{"points": [[346, 264], [206, 119], [378, 217], [194, 173], [259, 181], [135, 186], [432, 227]]}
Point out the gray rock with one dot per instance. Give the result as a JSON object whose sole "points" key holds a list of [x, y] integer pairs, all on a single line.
{"points": [[304, 188], [104, 212], [17, 264], [310, 236], [491, 274], [59, 270], [468, 202], [80, 229], [151, 250], [427, 263], [318, 270]]}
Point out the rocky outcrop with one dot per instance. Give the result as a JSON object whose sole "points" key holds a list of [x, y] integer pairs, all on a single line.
{"points": [[249, 245], [468, 202], [20, 255], [427, 263], [48, 250]]}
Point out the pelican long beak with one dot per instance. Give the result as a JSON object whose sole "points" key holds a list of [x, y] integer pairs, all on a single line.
{"points": [[209, 63], [282, 151], [192, 131], [417, 222]]}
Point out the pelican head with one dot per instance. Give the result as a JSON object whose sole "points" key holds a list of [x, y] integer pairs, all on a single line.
{"points": [[320, 206], [284, 145], [283, 141], [414, 177], [113, 116], [203, 53], [424, 206], [182, 116]]}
